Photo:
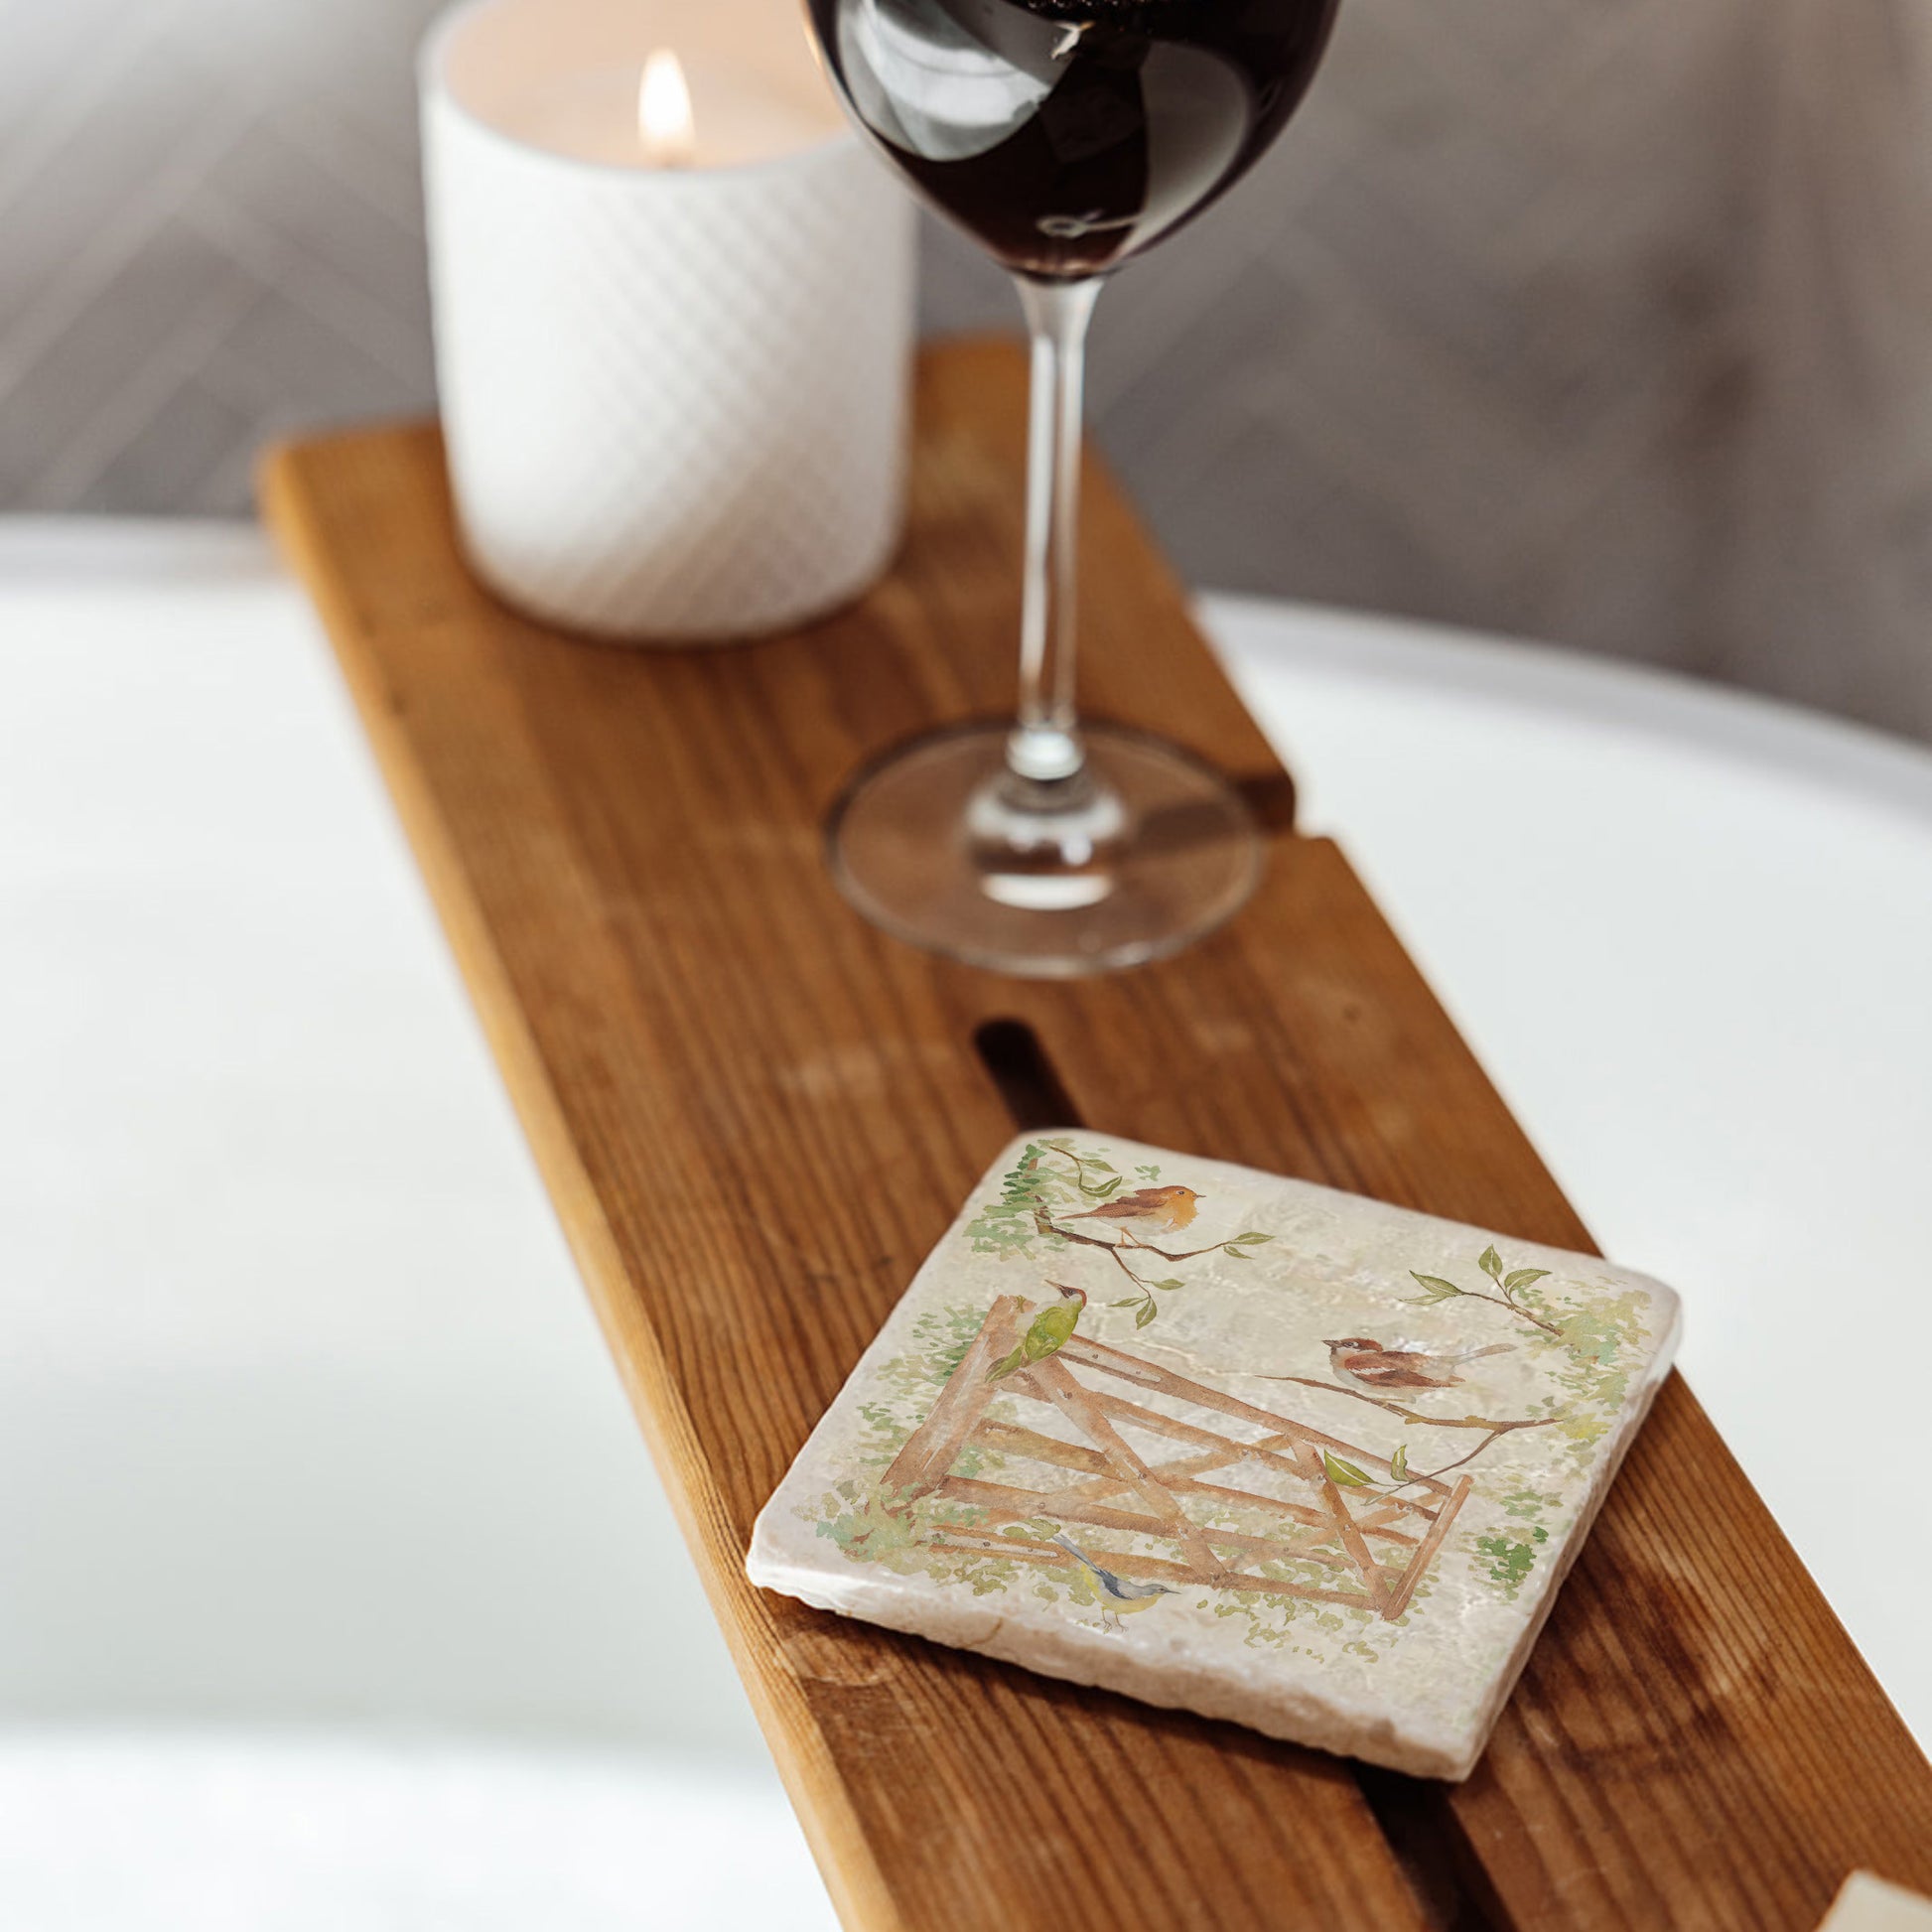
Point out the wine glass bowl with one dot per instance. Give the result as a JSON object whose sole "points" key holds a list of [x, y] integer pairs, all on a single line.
{"points": [[1065, 136]]}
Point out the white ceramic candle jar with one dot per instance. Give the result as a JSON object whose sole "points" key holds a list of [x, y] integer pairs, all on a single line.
{"points": [[673, 314]]}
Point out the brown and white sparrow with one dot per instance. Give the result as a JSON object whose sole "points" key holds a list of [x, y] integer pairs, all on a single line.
{"points": [[1362, 1362]]}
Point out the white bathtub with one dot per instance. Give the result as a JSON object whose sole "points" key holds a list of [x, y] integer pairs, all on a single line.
{"points": [[335, 1586]]}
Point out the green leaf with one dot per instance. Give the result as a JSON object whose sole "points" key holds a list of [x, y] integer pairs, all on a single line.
{"points": [[1522, 1278], [1344, 1473], [1105, 1188], [1399, 1464], [1254, 1238], [1126, 1302], [1439, 1290], [1490, 1262], [1239, 1254], [1148, 1173], [1147, 1315], [1167, 1285]]}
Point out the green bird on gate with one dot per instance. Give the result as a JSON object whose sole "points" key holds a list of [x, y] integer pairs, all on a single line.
{"points": [[1047, 1334]]}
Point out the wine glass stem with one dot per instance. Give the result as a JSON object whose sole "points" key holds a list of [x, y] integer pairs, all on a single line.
{"points": [[1044, 745]]}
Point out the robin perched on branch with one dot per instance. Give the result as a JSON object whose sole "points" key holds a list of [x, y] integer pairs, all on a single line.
{"points": [[1168, 1208], [1362, 1362], [1047, 1334], [1119, 1595]]}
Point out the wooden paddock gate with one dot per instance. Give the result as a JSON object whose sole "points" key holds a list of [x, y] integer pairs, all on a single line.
{"points": [[1322, 1531]]}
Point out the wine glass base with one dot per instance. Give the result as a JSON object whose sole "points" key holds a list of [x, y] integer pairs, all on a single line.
{"points": [[1148, 851]]}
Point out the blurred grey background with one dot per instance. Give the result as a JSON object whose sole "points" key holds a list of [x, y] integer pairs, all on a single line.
{"points": [[1602, 320]]}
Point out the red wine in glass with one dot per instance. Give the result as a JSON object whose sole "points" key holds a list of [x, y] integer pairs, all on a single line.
{"points": [[1065, 136]]}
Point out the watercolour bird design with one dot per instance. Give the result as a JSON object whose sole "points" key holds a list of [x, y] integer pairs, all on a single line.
{"points": [[1362, 1362], [1119, 1595], [1167, 1208], [1047, 1334]]}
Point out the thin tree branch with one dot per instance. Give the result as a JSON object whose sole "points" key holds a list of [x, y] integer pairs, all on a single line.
{"points": [[1047, 1225], [1111, 1248], [1515, 1309], [1408, 1414], [1473, 1453], [1081, 1163], [1187, 1254], [1435, 1475]]}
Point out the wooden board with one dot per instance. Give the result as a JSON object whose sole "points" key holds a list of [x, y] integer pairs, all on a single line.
{"points": [[755, 1115]]}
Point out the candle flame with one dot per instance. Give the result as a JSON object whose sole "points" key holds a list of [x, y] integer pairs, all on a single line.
{"points": [[664, 120]]}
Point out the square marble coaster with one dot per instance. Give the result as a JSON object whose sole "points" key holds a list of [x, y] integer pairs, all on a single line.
{"points": [[1227, 1443], [1868, 1904]]}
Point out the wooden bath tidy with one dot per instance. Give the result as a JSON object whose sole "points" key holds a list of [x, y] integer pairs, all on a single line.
{"points": [[755, 1115]]}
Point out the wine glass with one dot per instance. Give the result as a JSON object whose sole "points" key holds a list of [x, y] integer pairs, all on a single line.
{"points": [[1064, 136]]}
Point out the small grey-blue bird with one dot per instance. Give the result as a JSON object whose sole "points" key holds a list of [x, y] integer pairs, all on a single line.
{"points": [[1119, 1595]]}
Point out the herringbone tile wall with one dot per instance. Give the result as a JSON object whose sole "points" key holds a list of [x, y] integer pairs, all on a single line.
{"points": [[1605, 320], [208, 230]]}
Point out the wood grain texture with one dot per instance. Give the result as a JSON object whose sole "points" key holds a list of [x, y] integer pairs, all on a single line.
{"points": [[755, 1115]]}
